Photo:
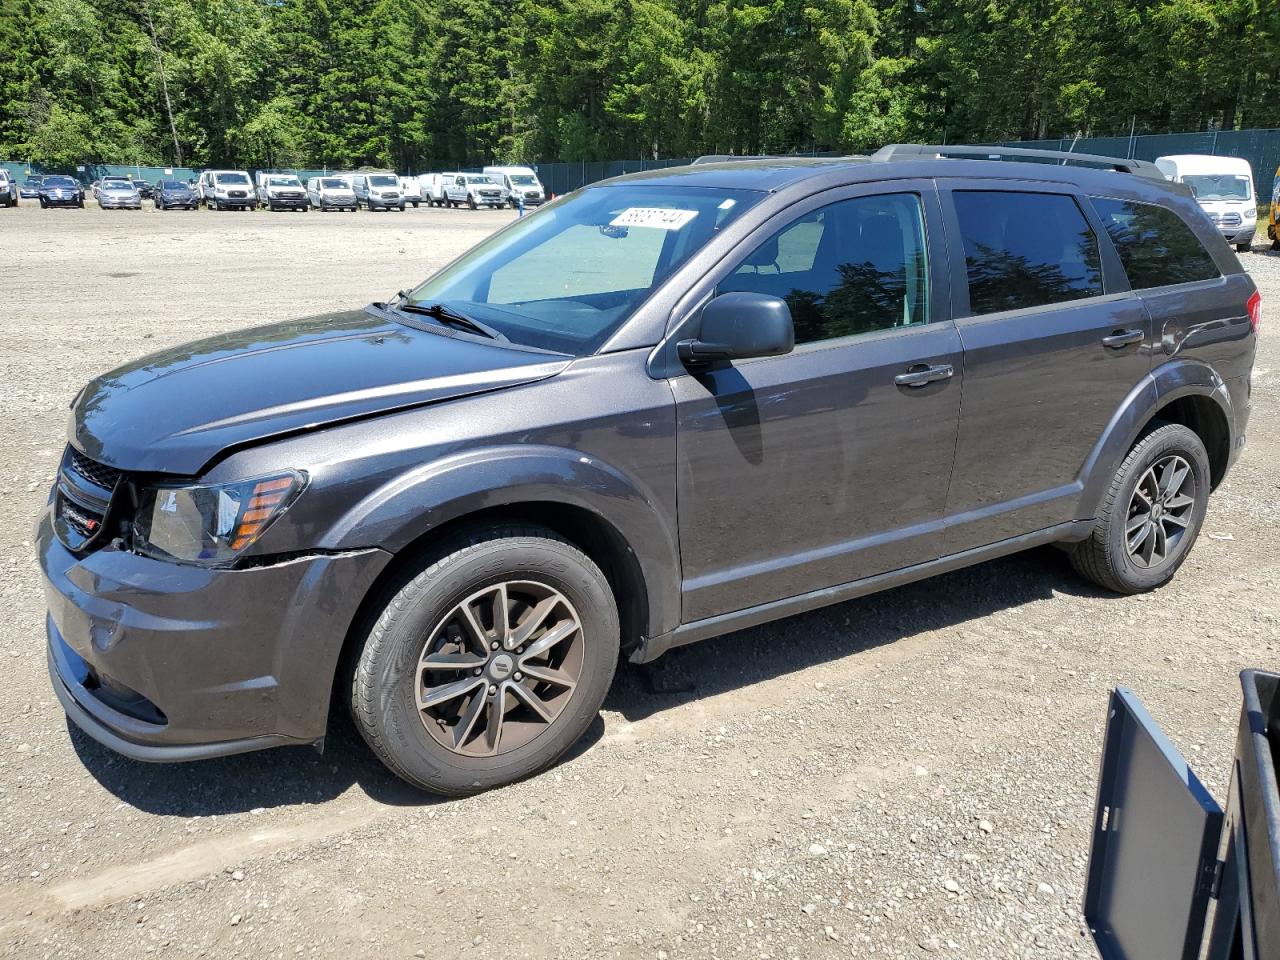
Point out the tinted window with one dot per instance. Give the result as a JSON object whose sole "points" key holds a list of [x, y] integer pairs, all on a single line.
{"points": [[1025, 250], [851, 267], [1155, 245]]}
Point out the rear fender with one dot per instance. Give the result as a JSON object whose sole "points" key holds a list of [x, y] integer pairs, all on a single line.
{"points": [[1168, 382]]}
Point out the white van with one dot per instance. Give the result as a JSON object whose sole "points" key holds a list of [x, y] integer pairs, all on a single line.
{"points": [[1224, 189], [411, 190], [227, 190], [331, 193], [433, 188], [519, 182]]}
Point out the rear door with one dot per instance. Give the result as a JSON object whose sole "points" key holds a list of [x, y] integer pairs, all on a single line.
{"points": [[828, 464], [1054, 340]]}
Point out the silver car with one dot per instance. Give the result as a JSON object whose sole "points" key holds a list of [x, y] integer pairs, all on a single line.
{"points": [[119, 195]]}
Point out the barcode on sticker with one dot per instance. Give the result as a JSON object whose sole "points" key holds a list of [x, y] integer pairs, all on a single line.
{"points": [[663, 218]]}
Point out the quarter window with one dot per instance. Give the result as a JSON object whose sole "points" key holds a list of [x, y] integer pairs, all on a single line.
{"points": [[1155, 245], [851, 267], [1025, 250]]}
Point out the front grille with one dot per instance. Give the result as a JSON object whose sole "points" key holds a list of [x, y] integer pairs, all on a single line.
{"points": [[237, 194], [1226, 219], [99, 474], [85, 522]]}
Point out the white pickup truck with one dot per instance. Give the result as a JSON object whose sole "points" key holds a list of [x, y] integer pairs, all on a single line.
{"points": [[474, 190]]}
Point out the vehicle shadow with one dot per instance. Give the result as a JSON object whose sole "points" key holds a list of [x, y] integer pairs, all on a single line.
{"points": [[269, 778], [299, 775], [762, 653]]}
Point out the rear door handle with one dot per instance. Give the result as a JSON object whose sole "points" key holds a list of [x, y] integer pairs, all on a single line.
{"points": [[919, 374], [1122, 338]]}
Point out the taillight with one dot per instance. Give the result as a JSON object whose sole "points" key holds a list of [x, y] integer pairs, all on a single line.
{"points": [[1254, 308]]}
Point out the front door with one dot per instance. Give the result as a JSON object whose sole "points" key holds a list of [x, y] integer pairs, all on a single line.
{"points": [[1053, 343], [831, 463]]}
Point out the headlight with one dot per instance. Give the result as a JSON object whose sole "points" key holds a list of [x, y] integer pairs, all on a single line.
{"points": [[211, 524]]}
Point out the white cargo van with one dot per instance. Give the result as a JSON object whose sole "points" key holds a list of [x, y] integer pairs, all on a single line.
{"points": [[517, 182], [281, 191], [227, 190], [411, 190], [1224, 189]]}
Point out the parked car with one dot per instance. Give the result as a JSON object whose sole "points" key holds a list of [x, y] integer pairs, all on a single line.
{"points": [[145, 189], [227, 190], [1224, 189], [175, 195], [517, 183], [97, 184], [434, 188], [8, 189], [331, 193], [377, 191], [474, 190], [31, 187], [677, 404], [119, 195], [282, 191], [60, 191]]}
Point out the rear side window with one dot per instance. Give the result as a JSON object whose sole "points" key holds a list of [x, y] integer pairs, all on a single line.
{"points": [[1025, 250], [1156, 247]]}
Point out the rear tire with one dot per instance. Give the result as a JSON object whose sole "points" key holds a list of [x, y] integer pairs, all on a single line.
{"points": [[506, 738], [1243, 247], [1109, 557]]}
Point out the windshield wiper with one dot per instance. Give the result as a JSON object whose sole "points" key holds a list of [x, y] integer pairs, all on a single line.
{"points": [[448, 316]]}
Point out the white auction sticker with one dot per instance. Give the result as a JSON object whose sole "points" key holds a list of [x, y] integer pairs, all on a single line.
{"points": [[663, 218]]}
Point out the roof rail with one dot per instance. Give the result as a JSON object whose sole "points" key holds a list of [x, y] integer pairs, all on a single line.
{"points": [[727, 157], [903, 151]]}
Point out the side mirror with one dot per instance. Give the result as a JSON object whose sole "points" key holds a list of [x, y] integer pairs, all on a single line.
{"points": [[739, 325]]}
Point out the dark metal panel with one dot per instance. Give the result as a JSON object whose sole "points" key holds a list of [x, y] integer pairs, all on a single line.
{"points": [[1154, 845]]}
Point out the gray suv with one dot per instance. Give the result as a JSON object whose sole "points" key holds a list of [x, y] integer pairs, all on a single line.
{"points": [[662, 408]]}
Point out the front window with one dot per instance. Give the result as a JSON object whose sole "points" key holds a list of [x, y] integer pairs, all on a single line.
{"points": [[387, 181], [479, 180], [523, 180], [59, 182], [852, 267], [332, 183], [1219, 187], [567, 277], [283, 182], [237, 179]]}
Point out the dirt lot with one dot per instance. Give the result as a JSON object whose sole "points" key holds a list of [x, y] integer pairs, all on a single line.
{"points": [[907, 774]]}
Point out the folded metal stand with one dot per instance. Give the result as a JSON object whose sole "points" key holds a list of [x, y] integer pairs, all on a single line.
{"points": [[1163, 851]]}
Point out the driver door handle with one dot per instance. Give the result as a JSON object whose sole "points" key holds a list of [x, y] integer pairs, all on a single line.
{"points": [[919, 374], [1122, 338]]}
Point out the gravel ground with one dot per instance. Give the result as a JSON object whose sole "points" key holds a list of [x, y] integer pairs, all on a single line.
{"points": [[906, 774]]}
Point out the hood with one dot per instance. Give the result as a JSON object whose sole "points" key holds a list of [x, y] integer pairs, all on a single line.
{"points": [[174, 411]]}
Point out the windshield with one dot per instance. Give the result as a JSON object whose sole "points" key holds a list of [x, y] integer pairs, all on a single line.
{"points": [[172, 185], [117, 185], [387, 181], [59, 182], [1219, 186], [283, 182], [479, 179], [568, 276], [523, 180], [333, 184], [231, 178]]}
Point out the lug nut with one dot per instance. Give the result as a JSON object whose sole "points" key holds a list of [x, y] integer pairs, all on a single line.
{"points": [[493, 688], [478, 671], [518, 677], [494, 645]]}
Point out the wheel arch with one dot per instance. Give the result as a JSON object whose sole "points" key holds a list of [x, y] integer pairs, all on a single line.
{"points": [[1187, 392]]}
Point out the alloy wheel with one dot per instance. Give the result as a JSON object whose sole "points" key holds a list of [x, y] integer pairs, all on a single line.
{"points": [[499, 668], [1160, 511]]}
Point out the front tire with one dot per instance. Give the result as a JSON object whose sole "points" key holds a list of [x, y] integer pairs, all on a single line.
{"points": [[1243, 247], [487, 661], [1151, 515]]}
